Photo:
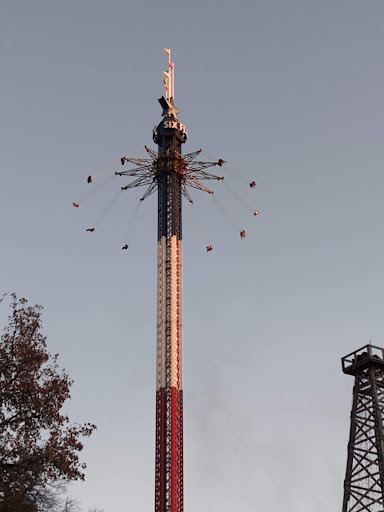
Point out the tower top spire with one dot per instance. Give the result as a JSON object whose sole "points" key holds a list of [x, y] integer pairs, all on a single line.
{"points": [[167, 102], [169, 82]]}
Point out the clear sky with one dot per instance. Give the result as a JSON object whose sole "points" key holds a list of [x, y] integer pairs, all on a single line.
{"points": [[290, 93]]}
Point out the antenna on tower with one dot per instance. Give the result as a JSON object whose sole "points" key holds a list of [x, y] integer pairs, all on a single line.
{"points": [[169, 82]]}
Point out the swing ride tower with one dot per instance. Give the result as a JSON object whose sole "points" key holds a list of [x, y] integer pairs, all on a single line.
{"points": [[170, 173], [364, 478]]}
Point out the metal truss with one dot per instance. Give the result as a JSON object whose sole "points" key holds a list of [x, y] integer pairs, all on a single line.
{"points": [[364, 480], [148, 170]]}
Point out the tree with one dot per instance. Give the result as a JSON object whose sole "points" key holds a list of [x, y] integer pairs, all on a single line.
{"points": [[39, 447]]}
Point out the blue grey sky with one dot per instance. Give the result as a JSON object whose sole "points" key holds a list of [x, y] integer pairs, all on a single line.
{"points": [[290, 93]]}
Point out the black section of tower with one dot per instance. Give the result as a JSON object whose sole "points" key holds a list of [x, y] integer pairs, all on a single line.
{"points": [[169, 180]]}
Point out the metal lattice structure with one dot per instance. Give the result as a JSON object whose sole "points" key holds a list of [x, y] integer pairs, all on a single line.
{"points": [[364, 480], [170, 173]]}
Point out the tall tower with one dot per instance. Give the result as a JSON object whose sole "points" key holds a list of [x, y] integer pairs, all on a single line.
{"points": [[170, 173], [364, 479], [169, 135]]}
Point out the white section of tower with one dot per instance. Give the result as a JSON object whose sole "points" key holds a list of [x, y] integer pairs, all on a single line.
{"points": [[169, 314], [180, 320], [161, 368], [176, 299]]}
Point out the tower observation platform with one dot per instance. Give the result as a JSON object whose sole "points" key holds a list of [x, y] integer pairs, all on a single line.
{"points": [[363, 358]]}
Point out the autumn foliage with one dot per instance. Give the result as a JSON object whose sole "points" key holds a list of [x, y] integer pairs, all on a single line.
{"points": [[39, 446]]}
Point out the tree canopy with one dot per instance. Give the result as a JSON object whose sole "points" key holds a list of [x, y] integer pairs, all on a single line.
{"points": [[39, 446]]}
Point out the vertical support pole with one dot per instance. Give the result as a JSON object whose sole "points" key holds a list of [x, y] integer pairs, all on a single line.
{"points": [[169, 373], [377, 390]]}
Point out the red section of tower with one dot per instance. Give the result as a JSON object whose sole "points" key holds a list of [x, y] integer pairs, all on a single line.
{"points": [[169, 465]]}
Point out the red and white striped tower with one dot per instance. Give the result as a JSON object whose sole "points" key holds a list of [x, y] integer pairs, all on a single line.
{"points": [[170, 173]]}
